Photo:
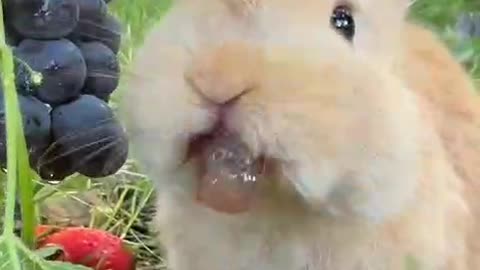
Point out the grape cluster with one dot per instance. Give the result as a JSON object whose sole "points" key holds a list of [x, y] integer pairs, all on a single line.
{"points": [[66, 68]]}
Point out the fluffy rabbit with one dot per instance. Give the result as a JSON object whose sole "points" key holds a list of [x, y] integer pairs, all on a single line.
{"points": [[360, 130]]}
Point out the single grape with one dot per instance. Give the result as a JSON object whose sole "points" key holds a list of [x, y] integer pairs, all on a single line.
{"points": [[54, 164], [109, 159], [54, 70], [87, 129], [36, 125], [12, 37], [107, 31], [43, 19], [103, 69]]}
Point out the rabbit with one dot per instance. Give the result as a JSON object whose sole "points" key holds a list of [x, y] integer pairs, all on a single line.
{"points": [[359, 128]]}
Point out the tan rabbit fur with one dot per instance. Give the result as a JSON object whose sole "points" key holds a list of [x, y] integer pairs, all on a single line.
{"points": [[372, 146]]}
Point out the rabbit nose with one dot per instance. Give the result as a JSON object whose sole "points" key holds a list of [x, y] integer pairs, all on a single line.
{"points": [[223, 74], [219, 89], [222, 98]]}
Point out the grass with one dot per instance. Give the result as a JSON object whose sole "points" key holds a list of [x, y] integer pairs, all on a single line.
{"points": [[441, 16], [122, 203]]}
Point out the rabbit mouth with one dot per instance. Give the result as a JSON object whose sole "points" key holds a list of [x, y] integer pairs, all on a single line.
{"points": [[227, 173]]}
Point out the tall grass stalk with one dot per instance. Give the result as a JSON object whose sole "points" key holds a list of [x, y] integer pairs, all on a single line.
{"points": [[18, 169]]}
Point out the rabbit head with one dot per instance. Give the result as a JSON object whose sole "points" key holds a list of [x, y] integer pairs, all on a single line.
{"points": [[308, 87]]}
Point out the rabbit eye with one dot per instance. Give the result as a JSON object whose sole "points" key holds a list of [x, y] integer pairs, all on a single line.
{"points": [[342, 20]]}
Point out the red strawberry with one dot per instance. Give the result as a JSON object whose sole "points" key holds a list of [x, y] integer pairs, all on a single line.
{"points": [[93, 248]]}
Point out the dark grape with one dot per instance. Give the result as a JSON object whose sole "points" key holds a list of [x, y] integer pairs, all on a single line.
{"points": [[107, 31], [12, 37], [54, 164], [43, 19], [110, 160], [87, 129], [96, 93], [61, 65], [103, 70], [36, 125], [92, 9]]}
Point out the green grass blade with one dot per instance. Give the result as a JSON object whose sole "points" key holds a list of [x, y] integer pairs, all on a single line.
{"points": [[26, 188], [139, 209], [13, 254], [17, 155], [11, 105]]}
